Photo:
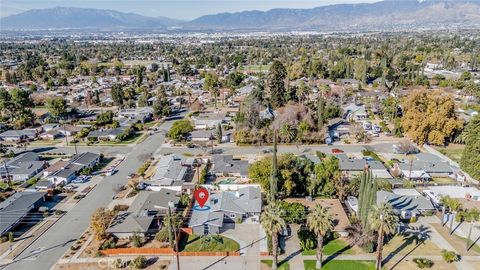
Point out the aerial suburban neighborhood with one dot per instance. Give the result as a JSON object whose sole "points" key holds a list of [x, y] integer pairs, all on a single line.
{"points": [[257, 145]]}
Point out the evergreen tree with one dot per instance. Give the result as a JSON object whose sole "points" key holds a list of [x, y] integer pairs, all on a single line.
{"points": [[276, 84], [219, 133], [320, 113], [367, 197], [471, 154]]}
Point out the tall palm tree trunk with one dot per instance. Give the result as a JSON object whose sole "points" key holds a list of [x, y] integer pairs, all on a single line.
{"points": [[319, 251], [379, 248], [451, 222], [274, 251], [469, 235]]}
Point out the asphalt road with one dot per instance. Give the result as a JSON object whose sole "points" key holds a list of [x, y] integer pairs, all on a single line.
{"points": [[46, 250], [300, 149]]}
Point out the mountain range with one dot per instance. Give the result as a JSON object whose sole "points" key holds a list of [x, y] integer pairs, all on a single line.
{"points": [[388, 14]]}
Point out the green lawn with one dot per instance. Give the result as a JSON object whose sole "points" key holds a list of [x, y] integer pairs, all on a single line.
{"points": [[196, 244], [443, 180], [283, 265], [453, 151], [332, 247], [256, 68], [341, 265], [475, 247]]}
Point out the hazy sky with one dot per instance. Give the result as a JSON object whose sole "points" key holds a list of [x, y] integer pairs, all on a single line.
{"points": [[180, 9]]}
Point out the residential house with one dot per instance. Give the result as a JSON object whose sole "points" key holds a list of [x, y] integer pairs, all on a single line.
{"points": [[16, 207], [355, 166], [145, 213], [63, 172], [69, 130], [142, 114], [226, 165], [425, 166], [51, 134], [18, 135], [22, 167], [172, 170], [406, 205], [209, 120], [105, 134], [226, 207], [354, 112], [201, 135]]}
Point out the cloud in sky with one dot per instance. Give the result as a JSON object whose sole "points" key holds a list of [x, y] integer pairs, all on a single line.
{"points": [[179, 9]]}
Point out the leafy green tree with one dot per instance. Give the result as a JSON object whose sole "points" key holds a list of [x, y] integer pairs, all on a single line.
{"points": [[273, 223], [296, 212], [327, 171], [161, 106], [180, 130], [320, 221], [105, 118], [384, 221], [118, 96], [211, 84], [57, 107], [471, 154], [276, 84]]}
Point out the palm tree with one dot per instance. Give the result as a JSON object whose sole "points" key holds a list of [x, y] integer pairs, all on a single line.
{"points": [[273, 223], [320, 222], [384, 221], [454, 205]]}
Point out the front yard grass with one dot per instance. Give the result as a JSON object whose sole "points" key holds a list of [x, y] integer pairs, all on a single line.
{"points": [[209, 243], [282, 265], [333, 247], [443, 180], [452, 151], [341, 265]]}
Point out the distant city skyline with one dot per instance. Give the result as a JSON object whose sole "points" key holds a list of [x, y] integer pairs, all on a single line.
{"points": [[180, 9]]}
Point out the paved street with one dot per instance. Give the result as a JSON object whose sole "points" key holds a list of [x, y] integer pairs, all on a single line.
{"points": [[50, 246], [297, 149]]}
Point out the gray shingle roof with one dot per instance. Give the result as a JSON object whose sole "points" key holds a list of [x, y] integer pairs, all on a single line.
{"points": [[15, 207], [245, 200], [403, 202], [126, 222], [84, 158], [153, 200], [226, 164]]}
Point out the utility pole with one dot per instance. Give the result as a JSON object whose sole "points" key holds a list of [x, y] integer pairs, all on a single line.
{"points": [[66, 136], [173, 229], [9, 182]]}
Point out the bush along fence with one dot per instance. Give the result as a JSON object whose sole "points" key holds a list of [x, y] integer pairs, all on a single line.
{"points": [[161, 251]]}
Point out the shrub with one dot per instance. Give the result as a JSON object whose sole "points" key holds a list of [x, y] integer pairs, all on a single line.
{"points": [[368, 247], [109, 243], [296, 212], [307, 239], [162, 235], [10, 237], [139, 262], [423, 263], [137, 239], [118, 263], [141, 171], [450, 256]]}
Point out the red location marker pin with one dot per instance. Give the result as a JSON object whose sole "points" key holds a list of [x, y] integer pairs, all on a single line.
{"points": [[201, 195]]}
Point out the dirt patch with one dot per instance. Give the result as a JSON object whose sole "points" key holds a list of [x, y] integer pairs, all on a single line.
{"points": [[154, 264], [456, 242], [410, 265]]}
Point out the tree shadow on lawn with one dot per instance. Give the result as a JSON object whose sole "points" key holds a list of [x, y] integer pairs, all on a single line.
{"points": [[336, 254], [416, 235]]}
